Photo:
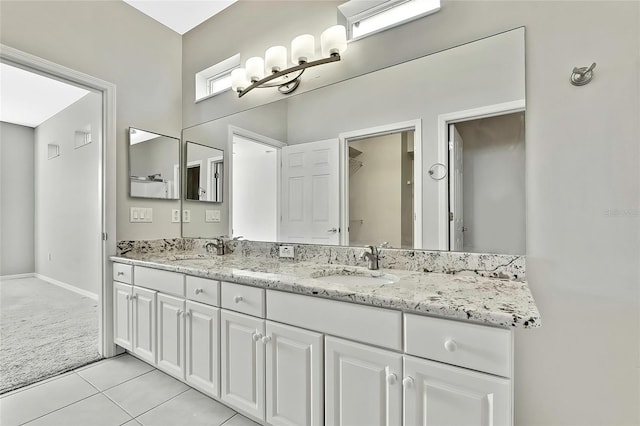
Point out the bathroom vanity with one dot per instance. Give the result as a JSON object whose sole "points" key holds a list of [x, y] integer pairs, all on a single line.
{"points": [[322, 342]]}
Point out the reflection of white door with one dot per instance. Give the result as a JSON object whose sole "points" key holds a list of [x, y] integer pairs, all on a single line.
{"points": [[456, 223], [310, 193]]}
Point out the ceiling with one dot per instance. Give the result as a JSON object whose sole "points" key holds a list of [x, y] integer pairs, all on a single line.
{"points": [[180, 15], [28, 99]]}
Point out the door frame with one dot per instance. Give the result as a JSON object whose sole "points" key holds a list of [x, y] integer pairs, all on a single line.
{"points": [[343, 149], [444, 120], [106, 197], [261, 139]]}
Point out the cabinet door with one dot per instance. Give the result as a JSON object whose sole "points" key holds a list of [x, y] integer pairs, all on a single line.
{"points": [[362, 384], [171, 335], [294, 376], [144, 323], [440, 394], [122, 318], [242, 362], [202, 340]]}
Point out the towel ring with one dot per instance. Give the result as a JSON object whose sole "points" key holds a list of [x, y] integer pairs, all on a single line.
{"points": [[432, 171]]}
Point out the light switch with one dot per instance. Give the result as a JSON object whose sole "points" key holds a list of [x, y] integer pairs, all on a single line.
{"points": [[140, 215], [212, 216], [186, 215]]}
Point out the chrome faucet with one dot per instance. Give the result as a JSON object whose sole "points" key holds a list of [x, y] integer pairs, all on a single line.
{"points": [[370, 253], [218, 246]]}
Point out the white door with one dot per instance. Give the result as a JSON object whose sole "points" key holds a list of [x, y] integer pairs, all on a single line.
{"points": [[440, 394], [456, 222], [144, 324], [203, 347], [242, 363], [294, 376], [310, 193], [362, 384], [171, 335], [122, 318]]}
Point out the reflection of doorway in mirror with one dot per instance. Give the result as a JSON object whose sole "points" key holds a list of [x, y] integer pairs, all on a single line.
{"points": [[381, 201], [486, 196], [193, 180]]}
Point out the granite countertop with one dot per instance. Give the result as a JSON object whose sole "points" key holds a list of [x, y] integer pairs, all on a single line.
{"points": [[461, 296]]}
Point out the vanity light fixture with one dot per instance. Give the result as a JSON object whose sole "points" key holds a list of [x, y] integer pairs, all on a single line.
{"points": [[272, 71]]}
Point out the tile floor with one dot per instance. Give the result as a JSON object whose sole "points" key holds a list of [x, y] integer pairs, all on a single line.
{"points": [[116, 391]]}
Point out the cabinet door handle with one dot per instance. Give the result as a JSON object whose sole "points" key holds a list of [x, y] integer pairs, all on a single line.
{"points": [[266, 339], [407, 382], [134, 297], [392, 379], [179, 312], [256, 336], [237, 299], [198, 291], [450, 345], [128, 297], [120, 273]]}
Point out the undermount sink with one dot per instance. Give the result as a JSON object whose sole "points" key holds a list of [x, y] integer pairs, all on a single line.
{"points": [[372, 279]]}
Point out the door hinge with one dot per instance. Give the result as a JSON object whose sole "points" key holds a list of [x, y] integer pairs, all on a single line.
{"points": [[105, 236], [451, 216], [450, 145]]}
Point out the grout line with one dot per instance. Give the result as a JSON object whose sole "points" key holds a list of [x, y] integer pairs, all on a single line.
{"points": [[164, 402], [60, 408], [229, 419], [34, 385], [129, 379]]}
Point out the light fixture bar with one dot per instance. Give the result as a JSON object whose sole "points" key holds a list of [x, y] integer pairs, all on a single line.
{"points": [[261, 83]]}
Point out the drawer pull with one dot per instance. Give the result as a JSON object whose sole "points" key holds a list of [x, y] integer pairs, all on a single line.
{"points": [[407, 382], [256, 336], [120, 273], [266, 339], [237, 299], [198, 290], [450, 345], [392, 379]]}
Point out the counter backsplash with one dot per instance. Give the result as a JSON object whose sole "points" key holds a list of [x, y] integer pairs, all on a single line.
{"points": [[503, 266]]}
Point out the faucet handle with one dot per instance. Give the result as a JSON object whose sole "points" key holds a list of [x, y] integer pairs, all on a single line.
{"points": [[384, 244]]}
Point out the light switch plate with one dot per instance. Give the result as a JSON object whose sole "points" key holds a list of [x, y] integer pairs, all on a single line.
{"points": [[140, 215], [175, 216], [286, 252], [186, 215], [212, 216]]}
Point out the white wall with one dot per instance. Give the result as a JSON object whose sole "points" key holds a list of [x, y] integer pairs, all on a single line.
{"points": [[583, 183], [112, 41], [67, 217], [493, 181], [16, 199]]}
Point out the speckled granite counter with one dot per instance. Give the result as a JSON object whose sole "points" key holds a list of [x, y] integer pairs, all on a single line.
{"points": [[464, 295]]}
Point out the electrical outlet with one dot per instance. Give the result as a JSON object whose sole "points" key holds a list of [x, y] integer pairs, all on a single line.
{"points": [[286, 252], [186, 215], [175, 216]]}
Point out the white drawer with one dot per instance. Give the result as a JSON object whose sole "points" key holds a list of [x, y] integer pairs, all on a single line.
{"points": [[162, 281], [123, 273], [377, 326], [478, 347], [203, 290], [242, 298]]}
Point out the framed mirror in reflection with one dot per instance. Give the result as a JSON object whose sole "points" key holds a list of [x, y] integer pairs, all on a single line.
{"points": [[204, 173], [154, 165], [427, 154]]}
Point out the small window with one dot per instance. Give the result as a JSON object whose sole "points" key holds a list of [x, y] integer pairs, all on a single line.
{"points": [[215, 79], [366, 18]]}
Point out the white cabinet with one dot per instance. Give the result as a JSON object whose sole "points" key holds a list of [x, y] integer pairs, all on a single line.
{"points": [[294, 379], [440, 394], [202, 351], [362, 384], [122, 315], [242, 362], [170, 324], [144, 323]]}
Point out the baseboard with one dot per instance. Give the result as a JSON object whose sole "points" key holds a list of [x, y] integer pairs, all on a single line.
{"points": [[16, 276], [68, 286]]}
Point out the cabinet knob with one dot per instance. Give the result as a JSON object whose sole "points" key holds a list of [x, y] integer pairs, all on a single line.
{"points": [[450, 345], [407, 382], [392, 379], [128, 297], [237, 299], [120, 273], [266, 339], [134, 296], [187, 314], [198, 290], [256, 336], [179, 312]]}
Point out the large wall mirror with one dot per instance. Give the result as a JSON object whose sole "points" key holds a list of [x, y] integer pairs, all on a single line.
{"points": [[427, 154], [154, 165]]}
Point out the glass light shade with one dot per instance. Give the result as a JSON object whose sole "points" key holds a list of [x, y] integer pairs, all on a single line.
{"points": [[303, 48], [275, 58], [255, 68], [333, 40], [239, 79]]}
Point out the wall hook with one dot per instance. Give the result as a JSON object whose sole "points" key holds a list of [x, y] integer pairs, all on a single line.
{"points": [[583, 75]]}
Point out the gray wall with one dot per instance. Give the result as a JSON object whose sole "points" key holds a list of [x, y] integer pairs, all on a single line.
{"points": [[67, 215], [112, 41], [16, 199], [583, 184]]}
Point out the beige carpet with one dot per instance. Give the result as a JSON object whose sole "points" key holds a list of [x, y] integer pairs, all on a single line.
{"points": [[44, 330]]}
